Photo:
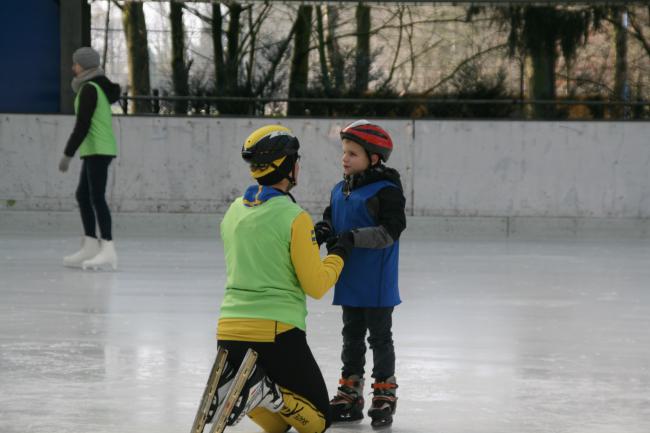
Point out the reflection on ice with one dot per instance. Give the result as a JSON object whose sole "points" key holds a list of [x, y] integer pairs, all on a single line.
{"points": [[493, 336]]}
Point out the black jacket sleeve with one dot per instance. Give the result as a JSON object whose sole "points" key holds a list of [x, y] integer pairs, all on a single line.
{"points": [[388, 210], [87, 105], [392, 211], [327, 214]]}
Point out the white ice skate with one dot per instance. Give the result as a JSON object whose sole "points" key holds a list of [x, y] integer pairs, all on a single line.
{"points": [[262, 392], [259, 391], [229, 396], [89, 249], [106, 256]]}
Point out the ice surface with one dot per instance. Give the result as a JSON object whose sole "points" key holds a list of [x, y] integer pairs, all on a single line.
{"points": [[493, 336]]}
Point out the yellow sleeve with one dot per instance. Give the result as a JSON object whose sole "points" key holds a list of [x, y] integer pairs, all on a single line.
{"points": [[315, 276]]}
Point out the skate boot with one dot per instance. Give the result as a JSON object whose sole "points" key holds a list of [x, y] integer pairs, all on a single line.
{"points": [[106, 256], [259, 391], [347, 404], [384, 402], [89, 249]]}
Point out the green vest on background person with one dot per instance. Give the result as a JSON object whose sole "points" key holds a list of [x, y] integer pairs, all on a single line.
{"points": [[100, 139]]}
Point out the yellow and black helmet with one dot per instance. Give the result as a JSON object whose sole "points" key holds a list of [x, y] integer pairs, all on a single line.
{"points": [[271, 152]]}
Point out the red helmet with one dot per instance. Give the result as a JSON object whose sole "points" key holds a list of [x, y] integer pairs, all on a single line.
{"points": [[371, 137]]}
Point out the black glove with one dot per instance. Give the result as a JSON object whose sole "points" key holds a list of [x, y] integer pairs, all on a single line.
{"points": [[323, 231], [341, 245]]}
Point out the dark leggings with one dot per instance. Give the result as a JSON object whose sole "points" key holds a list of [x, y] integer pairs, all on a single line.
{"points": [[90, 196], [289, 362], [378, 323]]}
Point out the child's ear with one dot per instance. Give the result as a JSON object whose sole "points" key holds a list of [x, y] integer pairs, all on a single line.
{"points": [[374, 159]]}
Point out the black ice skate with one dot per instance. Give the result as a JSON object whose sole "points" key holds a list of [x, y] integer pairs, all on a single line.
{"points": [[384, 402], [347, 404]]}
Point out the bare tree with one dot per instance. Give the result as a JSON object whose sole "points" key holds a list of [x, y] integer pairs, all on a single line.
{"points": [[107, 22], [242, 47], [362, 63], [325, 76], [336, 58], [638, 31], [217, 46], [180, 68], [232, 36], [135, 30], [619, 14], [537, 32], [300, 60]]}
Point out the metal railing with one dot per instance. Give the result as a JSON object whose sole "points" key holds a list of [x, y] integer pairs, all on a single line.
{"points": [[157, 104]]}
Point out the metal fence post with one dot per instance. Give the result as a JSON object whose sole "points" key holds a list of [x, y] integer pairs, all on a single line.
{"points": [[156, 101]]}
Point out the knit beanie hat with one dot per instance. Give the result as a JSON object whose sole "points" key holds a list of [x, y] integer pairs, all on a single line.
{"points": [[86, 57]]}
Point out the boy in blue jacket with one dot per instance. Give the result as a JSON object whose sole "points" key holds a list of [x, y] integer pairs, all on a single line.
{"points": [[367, 209]]}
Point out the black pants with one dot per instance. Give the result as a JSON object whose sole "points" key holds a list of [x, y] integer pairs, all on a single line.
{"points": [[378, 322], [288, 362], [90, 196]]}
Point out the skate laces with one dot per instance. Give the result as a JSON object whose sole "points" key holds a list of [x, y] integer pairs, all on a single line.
{"points": [[384, 388], [350, 383], [383, 393], [347, 391]]}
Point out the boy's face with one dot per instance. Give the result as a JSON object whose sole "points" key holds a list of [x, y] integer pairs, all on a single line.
{"points": [[355, 159]]}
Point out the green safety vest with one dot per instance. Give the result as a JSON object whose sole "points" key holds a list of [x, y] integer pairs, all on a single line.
{"points": [[261, 280], [100, 139]]}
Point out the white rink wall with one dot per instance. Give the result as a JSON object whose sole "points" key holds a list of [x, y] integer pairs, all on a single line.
{"points": [[500, 169]]}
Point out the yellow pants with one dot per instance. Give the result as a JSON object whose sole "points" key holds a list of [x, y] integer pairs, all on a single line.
{"points": [[297, 413]]}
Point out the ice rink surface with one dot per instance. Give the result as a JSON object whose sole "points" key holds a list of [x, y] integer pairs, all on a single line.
{"points": [[494, 335]]}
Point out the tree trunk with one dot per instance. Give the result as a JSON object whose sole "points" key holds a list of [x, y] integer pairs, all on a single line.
{"points": [[135, 30], [107, 22], [362, 64], [300, 61], [621, 90], [179, 67], [217, 44], [325, 77], [250, 69], [232, 64], [542, 84], [543, 54], [333, 51]]}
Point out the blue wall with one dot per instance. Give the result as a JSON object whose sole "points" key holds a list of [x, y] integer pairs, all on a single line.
{"points": [[29, 56]]}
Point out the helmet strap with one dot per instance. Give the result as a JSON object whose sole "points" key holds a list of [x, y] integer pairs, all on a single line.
{"points": [[290, 176]]}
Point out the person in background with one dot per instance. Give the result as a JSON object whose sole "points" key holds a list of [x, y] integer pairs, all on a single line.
{"points": [[93, 139]]}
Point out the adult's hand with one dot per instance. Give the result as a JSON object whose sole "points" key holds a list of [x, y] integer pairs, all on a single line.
{"points": [[323, 231], [64, 164]]}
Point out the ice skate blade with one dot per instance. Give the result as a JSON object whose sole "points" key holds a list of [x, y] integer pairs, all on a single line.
{"points": [[348, 420], [381, 423], [102, 267]]}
